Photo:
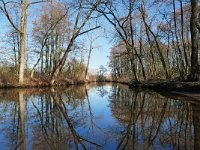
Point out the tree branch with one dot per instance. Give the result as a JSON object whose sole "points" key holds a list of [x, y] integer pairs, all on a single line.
{"points": [[88, 30], [5, 12], [32, 3]]}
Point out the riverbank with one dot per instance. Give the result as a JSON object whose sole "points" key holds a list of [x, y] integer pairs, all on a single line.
{"points": [[118, 81], [152, 85], [167, 85], [179, 86], [36, 83]]}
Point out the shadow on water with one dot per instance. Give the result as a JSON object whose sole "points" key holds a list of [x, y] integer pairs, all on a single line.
{"points": [[97, 117]]}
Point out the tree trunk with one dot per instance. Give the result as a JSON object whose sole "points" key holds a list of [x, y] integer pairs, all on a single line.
{"points": [[52, 40], [60, 65], [133, 69], [88, 61], [23, 26], [151, 52], [194, 40], [132, 40], [33, 69], [42, 61], [15, 48], [180, 60], [141, 49], [47, 58], [183, 37], [161, 57]]}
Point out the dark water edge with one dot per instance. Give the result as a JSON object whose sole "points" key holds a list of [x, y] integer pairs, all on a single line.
{"points": [[105, 116], [180, 86]]}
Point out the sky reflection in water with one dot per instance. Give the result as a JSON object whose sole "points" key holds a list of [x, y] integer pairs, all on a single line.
{"points": [[96, 117]]}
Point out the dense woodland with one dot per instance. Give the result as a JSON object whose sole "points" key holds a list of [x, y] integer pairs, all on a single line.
{"points": [[153, 39]]}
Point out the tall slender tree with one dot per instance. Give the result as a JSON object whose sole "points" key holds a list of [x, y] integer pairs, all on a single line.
{"points": [[194, 76], [24, 5]]}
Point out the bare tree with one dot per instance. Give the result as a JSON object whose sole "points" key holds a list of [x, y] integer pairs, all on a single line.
{"points": [[24, 5], [92, 39], [124, 27], [143, 13], [79, 24], [194, 38], [42, 33]]}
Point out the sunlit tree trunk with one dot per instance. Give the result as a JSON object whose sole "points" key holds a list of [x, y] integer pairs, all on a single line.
{"points": [[88, 61], [22, 48]]}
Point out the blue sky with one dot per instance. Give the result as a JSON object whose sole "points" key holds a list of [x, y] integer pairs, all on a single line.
{"points": [[100, 53], [100, 56]]}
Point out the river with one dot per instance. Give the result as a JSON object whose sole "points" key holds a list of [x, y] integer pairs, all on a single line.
{"points": [[97, 117]]}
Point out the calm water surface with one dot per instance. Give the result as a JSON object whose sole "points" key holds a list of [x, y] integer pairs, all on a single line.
{"points": [[96, 117]]}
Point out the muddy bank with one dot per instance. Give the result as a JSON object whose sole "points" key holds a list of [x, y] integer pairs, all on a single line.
{"points": [[118, 81], [167, 85]]}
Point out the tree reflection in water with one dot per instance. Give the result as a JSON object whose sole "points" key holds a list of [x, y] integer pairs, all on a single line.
{"points": [[153, 121], [97, 117]]}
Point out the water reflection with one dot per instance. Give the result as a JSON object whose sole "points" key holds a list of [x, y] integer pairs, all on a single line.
{"points": [[196, 124], [22, 142], [153, 121], [97, 117]]}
